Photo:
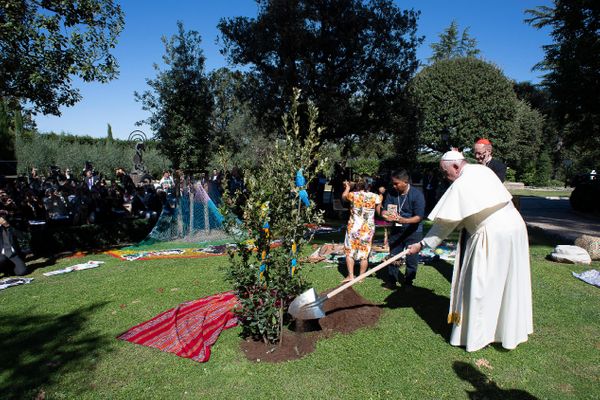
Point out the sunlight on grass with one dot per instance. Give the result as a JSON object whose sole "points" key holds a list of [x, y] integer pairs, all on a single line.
{"points": [[58, 336]]}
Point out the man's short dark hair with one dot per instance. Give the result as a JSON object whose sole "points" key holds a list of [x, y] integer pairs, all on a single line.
{"points": [[401, 175]]}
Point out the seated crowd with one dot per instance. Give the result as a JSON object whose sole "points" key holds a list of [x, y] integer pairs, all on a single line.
{"points": [[63, 198]]}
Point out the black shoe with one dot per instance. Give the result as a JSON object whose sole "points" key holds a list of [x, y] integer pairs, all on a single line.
{"points": [[389, 285]]}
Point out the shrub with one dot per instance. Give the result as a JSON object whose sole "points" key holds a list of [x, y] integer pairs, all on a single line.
{"points": [[68, 151], [266, 279], [511, 175]]}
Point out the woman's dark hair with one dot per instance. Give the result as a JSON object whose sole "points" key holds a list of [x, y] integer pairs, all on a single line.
{"points": [[361, 184]]}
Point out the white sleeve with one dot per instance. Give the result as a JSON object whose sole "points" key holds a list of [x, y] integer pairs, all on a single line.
{"points": [[439, 231]]}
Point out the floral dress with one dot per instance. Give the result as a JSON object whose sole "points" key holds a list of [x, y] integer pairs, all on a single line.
{"points": [[361, 225]]}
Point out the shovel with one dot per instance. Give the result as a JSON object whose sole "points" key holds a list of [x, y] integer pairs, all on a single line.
{"points": [[308, 306]]}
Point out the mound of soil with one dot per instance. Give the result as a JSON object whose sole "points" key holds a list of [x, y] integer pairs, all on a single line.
{"points": [[345, 313]]}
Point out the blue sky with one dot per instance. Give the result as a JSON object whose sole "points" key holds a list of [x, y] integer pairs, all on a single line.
{"points": [[498, 26]]}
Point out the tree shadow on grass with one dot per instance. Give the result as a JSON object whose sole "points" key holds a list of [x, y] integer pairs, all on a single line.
{"points": [[538, 237], [485, 388], [430, 307], [445, 268], [38, 349]]}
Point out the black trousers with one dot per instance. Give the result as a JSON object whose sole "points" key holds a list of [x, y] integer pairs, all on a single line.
{"points": [[398, 242], [14, 263]]}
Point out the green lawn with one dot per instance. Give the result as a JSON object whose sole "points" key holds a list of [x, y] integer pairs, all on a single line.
{"points": [[541, 192], [58, 337]]}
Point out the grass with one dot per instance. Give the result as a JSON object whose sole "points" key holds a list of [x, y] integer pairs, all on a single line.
{"points": [[542, 192], [58, 337]]}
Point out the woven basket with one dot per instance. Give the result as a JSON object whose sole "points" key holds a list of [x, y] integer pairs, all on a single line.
{"points": [[591, 244]]}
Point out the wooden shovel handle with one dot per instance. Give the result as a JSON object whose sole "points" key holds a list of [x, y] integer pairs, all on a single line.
{"points": [[369, 272]]}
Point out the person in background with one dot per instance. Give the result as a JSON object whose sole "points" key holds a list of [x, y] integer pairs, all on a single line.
{"points": [[430, 187], [483, 154], [361, 225], [90, 179], [490, 299], [166, 182], [10, 255], [214, 187], [125, 182]]}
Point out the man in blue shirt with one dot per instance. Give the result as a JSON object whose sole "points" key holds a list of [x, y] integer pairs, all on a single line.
{"points": [[405, 207]]}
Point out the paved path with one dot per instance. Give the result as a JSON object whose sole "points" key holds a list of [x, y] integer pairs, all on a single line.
{"points": [[555, 217]]}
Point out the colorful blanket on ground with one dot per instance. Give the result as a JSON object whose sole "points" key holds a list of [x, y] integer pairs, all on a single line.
{"points": [[591, 276], [8, 282], [200, 252], [322, 229], [188, 330], [445, 251], [132, 255], [76, 267], [334, 253]]}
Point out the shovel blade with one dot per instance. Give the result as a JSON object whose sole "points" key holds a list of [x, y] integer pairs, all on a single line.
{"points": [[307, 306]]}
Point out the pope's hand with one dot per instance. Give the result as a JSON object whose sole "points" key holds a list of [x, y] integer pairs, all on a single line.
{"points": [[414, 248]]}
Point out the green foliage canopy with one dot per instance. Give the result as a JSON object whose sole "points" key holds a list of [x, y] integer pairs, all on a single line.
{"points": [[450, 46], [7, 138], [458, 100], [44, 44], [572, 63], [352, 58], [525, 143], [180, 102], [67, 151]]}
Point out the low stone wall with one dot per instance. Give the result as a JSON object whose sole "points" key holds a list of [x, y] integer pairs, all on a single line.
{"points": [[514, 185]]}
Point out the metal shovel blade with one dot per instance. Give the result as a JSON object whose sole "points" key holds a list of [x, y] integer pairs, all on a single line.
{"points": [[307, 306]]}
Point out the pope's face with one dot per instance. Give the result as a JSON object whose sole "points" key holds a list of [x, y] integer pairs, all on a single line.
{"points": [[451, 171]]}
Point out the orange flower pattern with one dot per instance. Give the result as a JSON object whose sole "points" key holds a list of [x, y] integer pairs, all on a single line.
{"points": [[361, 225]]}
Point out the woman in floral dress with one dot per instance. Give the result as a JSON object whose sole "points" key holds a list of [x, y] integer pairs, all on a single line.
{"points": [[361, 226]]}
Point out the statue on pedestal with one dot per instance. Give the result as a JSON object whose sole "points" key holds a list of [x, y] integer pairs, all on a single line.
{"points": [[139, 174]]}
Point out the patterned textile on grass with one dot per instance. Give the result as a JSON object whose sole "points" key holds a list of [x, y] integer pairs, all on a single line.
{"points": [[188, 330], [202, 252], [132, 255], [591, 276], [315, 229]]}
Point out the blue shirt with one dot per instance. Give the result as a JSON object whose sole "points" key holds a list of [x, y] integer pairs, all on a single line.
{"points": [[409, 205]]}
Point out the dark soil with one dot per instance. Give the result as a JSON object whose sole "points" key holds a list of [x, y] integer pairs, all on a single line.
{"points": [[345, 313]]}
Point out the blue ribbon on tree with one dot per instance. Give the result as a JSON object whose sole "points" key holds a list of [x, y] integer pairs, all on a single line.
{"points": [[300, 182]]}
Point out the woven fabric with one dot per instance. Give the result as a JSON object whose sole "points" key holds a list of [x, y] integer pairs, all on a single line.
{"points": [[591, 244], [188, 330]]}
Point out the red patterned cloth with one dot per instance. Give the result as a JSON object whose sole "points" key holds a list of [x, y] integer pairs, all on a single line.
{"points": [[188, 330]]}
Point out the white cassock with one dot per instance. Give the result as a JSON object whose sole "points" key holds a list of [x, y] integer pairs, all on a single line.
{"points": [[490, 299]]}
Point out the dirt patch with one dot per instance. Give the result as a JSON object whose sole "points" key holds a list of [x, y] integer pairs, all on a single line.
{"points": [[344, 313]]}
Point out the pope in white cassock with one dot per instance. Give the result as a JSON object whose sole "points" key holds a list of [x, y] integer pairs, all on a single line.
{"points": [[490, 299]]}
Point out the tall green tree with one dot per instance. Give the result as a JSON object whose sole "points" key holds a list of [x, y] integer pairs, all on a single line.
{"points": [[572, 63], [458, 100], [7, 149], [180, 103], [451, 46], [45, 44], [225, 86], [352, 58], [109, 134], [237, 133], [525, 142]]}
